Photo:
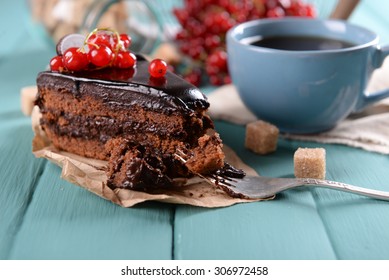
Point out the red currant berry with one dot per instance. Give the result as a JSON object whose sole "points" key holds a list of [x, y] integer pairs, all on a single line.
{"points": [[297, 8], [125, 59], [211, 70], [215, 80], [310, 11], [56, 64], [212, 41], [194, 77], [218, 60], [182, 35], [196, 51], [271, 4], [218, 22], [98, 40], [157, 68], [126, 40], [101, 38], [277, 12], [101, 56], [241, 16], [181, 15], [227, 79], [74, 60]]}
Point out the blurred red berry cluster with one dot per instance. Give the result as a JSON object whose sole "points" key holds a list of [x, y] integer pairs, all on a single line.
{"points": [[204, 24]]}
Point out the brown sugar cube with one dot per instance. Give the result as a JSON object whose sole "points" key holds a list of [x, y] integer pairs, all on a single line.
{"points": [[261, 137], [27, 98], [310, 163]]}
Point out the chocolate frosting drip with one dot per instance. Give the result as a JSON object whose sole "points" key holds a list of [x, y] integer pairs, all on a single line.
{"points": [[127, 87], [230, 171]]}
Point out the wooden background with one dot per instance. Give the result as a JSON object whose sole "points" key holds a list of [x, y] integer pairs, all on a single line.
{"points": [[45, 217]]}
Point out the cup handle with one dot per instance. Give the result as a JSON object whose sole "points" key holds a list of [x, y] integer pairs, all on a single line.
{"points": [[370, 98]]}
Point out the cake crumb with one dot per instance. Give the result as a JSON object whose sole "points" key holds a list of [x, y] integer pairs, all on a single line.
{"points": [[261, 137], [310, 163]]}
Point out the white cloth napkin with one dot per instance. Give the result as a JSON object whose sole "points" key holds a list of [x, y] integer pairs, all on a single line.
{"points": [[368, 130]]}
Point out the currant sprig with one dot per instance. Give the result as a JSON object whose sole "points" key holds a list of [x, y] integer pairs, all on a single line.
{"points": [[204, 24], [103, 47]]}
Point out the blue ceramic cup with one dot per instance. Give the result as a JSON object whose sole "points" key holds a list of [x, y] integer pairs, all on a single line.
{"points": [[304, 91]]}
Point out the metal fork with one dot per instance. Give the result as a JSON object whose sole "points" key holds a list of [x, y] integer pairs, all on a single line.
{"points": [[253, 187], [258, 187]]}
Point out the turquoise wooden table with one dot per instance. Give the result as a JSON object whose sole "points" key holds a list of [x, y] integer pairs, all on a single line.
{"points": [[45, 217]]}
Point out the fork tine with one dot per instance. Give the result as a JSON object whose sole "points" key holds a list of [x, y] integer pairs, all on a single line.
{"points": [[181, 156], [225, 183], [220, 180], [181, 153]]}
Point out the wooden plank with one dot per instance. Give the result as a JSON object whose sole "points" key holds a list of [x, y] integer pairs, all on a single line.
{"points": [[299, 224], [64, 221], [18, 174], [57, 220], [358, 227], [17, 71], [54, 219], [286, 228]]}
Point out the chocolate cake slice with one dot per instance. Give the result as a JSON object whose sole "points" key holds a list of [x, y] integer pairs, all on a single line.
{"points": [[135, 122]]}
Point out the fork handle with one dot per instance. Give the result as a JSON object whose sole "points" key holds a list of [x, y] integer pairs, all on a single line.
{"points": [[345, 187]]}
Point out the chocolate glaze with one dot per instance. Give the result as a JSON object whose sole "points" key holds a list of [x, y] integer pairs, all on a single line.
{"points": [[124, 88]]}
